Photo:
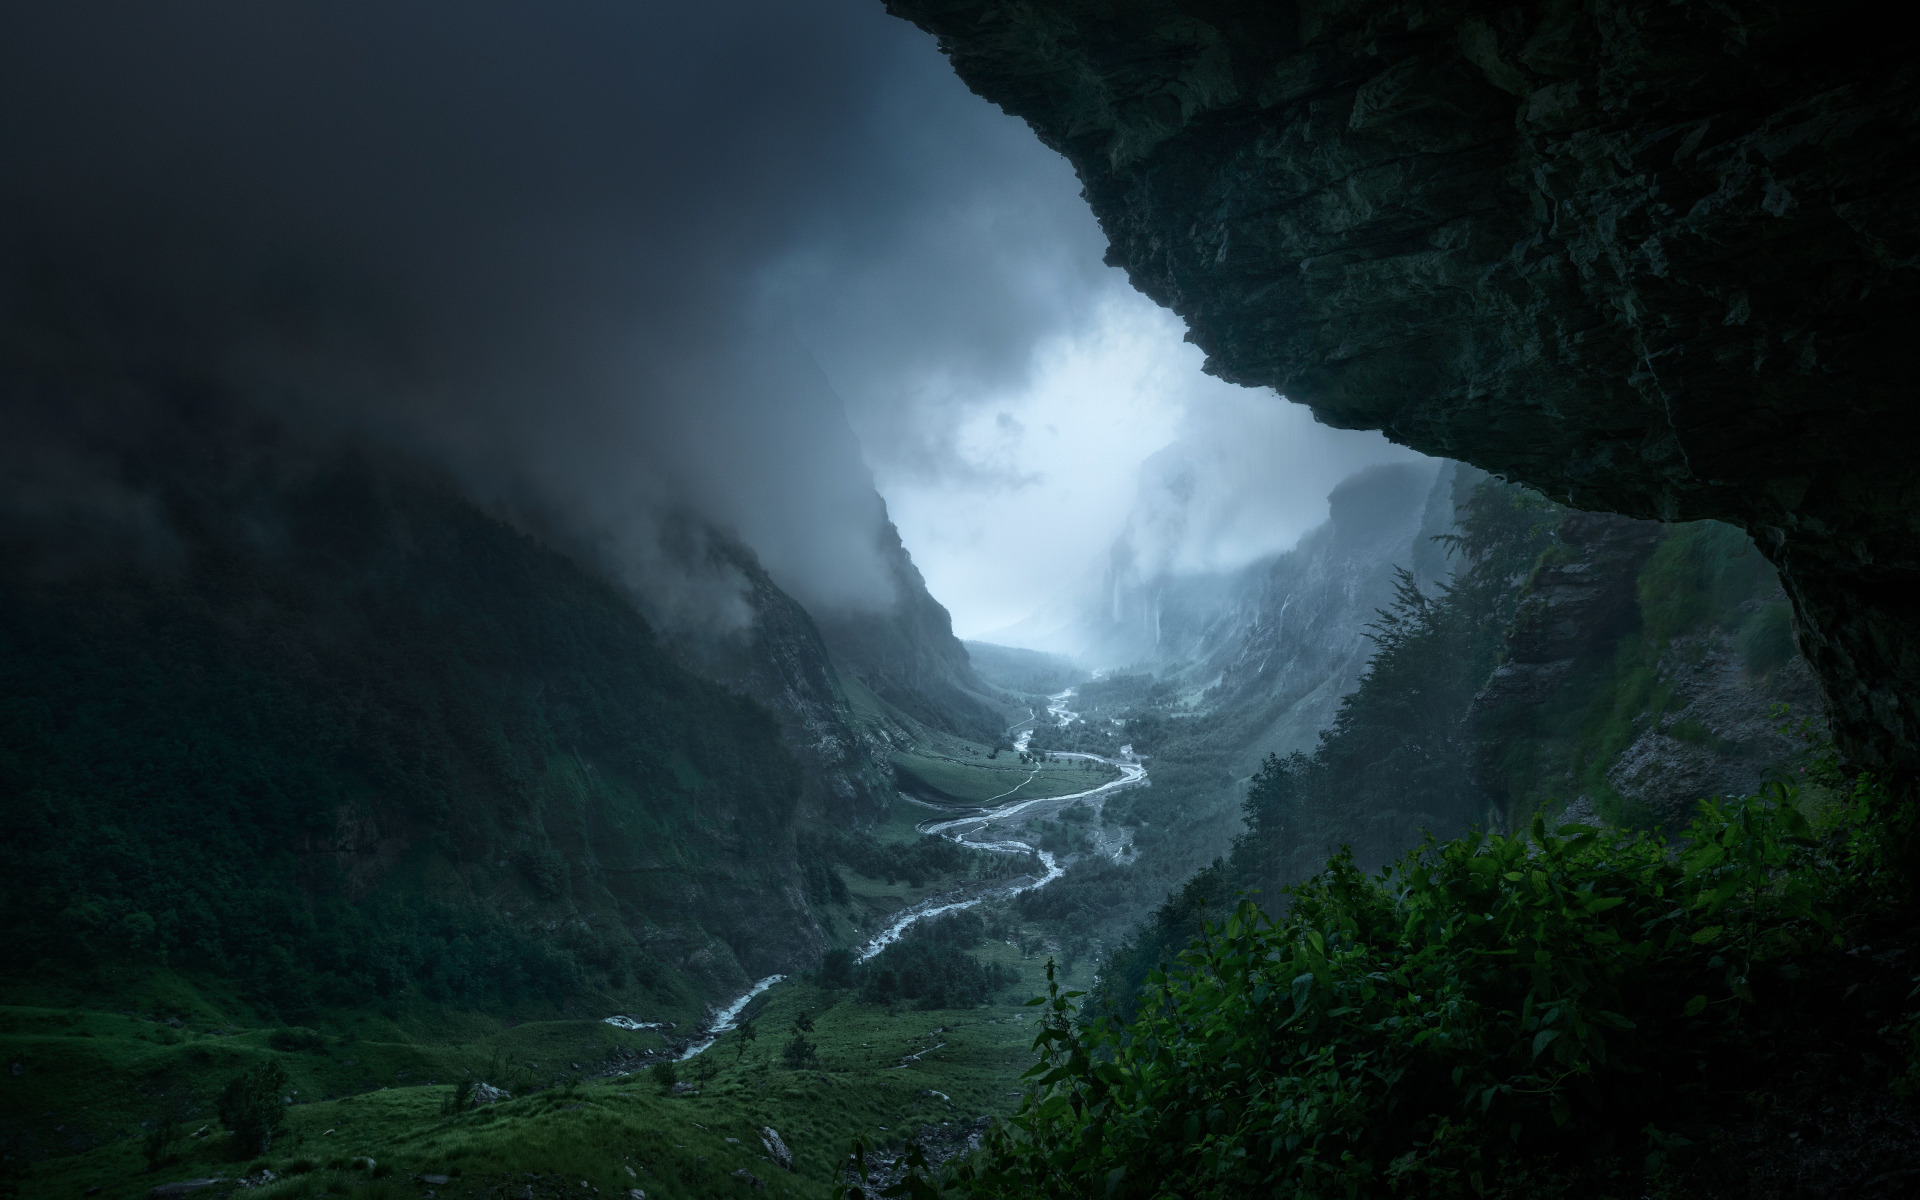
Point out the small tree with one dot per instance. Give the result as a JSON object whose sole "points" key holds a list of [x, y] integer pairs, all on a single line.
{"points": [[665, 1075], [253, 1109], [165, 1134], [462, 1098], [800, 1053], [748, 1035]]}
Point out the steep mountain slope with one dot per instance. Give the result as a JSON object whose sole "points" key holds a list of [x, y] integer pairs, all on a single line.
{"points": [[336, 736], [1292, 641], [1588, 666], [1657, 260], [1267, 651], [906, 653], [781, 660]]}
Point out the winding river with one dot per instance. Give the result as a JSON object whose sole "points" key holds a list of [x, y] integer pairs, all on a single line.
{"points": [[981, 829]]}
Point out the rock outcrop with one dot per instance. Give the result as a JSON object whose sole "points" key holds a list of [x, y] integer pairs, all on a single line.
{"points": [[1724, 735], [1623, 716], [1656, 260], [1576, 606]]}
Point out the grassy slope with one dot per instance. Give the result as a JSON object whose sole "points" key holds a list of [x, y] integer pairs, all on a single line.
{"points": [[98, 1075]]}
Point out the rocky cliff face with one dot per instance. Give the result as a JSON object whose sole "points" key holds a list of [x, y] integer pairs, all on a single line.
{"points": [[1577, 605], [1647, 667], [1656, 260]]}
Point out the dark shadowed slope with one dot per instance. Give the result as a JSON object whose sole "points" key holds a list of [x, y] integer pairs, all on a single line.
{"points": [[340, 737]]}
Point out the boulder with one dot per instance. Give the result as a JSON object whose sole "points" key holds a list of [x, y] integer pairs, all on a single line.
{"points": [[486, 1093], [776, 1148]]}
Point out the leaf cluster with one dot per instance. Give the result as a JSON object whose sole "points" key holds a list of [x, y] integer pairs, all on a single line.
{"points": [[1484, 1009], [252, 1107]]}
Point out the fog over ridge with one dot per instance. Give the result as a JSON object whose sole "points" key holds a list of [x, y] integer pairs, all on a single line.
{"points": [[607, 264]]}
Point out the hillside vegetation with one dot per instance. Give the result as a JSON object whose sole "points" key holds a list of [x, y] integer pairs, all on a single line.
{"points": [[350, 742], [1584, 996]]}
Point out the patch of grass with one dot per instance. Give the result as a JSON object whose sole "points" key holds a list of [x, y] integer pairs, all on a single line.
{"points": [[980, 780], [90, 1079]]}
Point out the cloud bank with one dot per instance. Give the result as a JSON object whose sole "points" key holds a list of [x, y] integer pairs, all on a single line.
{"points": [[606, 262]]}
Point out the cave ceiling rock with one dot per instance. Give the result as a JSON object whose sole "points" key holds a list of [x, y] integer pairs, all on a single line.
{"points": [[1654, 259]]}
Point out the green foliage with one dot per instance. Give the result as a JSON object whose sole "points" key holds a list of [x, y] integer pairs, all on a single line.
{"points": [[196, 754], [930, 965], [253, 1107], [665, 1075], [1699, 575], [461, 1098], [745, 1034], [799, 1054], [295, 1039], [1482, 1010], [836, 969], [158, 1145]]}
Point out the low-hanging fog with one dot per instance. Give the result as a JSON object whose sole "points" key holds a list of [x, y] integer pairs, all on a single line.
{"points": [[607, 262]]}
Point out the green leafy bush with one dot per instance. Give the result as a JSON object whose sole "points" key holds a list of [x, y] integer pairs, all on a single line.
{"points": [[799, 1053], [253, 1107], [1480, 1011]]}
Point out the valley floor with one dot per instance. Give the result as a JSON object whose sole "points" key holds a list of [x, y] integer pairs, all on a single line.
{"points": [[91, 1085], [370, 1112]]}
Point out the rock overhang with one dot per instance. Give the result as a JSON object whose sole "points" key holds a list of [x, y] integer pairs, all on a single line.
{"points": [[1656, 260]]}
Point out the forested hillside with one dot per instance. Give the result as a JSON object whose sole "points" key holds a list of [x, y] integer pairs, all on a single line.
{"points": [[335, 737]]}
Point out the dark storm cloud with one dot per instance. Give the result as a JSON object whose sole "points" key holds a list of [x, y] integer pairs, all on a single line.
{"points": [[571, 250]]}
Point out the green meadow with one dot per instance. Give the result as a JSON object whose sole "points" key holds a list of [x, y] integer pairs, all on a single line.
{"points": [[371, 1109]]}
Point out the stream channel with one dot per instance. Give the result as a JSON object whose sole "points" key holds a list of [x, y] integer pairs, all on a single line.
{"points": [[982, 829]]}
